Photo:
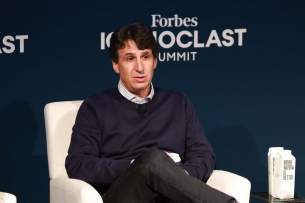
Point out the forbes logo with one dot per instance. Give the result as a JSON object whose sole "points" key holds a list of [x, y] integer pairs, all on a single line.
{"points": [[9, 43], [176, 21]]}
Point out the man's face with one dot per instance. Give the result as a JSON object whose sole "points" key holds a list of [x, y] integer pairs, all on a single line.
{"points": [[136, 68]]}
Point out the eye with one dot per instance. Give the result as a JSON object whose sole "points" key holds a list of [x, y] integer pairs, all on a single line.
{"points": [[146, 56], [129, 58]]}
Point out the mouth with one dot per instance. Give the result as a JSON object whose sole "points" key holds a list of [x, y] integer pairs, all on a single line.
{"points": [[140, 78]]}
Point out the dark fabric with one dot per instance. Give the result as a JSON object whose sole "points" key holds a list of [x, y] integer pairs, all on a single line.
{"points": [[154, 178], [109, 133]]}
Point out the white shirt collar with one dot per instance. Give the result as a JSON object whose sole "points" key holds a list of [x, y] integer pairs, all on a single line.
{"points": [[128, 95]]}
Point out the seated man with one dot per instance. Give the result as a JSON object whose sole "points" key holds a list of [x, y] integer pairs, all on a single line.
{"points": [[124, 137]]}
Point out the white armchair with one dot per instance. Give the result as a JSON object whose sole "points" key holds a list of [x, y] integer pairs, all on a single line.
{"points": [[59, 119], [7, 198]]}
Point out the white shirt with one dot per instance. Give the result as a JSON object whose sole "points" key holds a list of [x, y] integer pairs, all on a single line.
{"points": [[128, 95]]}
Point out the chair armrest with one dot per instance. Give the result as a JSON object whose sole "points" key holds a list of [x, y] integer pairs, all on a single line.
{"points": [[231, 184], [7, 198], [66, 190]]}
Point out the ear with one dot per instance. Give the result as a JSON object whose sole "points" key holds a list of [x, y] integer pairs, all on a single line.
{"points": [[155, 63], [115, 67]]}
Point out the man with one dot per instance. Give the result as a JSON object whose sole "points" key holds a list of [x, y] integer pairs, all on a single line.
{"points": [[124, 137]]}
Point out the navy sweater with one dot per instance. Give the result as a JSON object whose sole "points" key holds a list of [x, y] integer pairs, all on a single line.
{"points": [[109, 133]]}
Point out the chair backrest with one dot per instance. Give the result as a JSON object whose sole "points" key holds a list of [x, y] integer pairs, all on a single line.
{"points": [[59, 120], [7, 198]]}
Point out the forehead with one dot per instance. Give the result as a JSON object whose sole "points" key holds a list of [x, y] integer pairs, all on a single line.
{"points": [[131, 48]]}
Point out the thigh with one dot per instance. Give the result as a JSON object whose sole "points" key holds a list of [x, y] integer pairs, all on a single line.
{"points": [[135, 184], [154, 176], [131, 187]]}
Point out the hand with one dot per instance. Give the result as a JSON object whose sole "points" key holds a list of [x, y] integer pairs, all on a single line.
{"points": [[174, 156]]}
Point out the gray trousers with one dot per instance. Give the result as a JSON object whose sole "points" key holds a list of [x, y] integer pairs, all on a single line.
{"points": [[154, 177]]}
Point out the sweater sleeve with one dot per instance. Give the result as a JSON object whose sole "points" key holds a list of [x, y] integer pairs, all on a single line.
{"points": [[83, 161], [199, 156]]}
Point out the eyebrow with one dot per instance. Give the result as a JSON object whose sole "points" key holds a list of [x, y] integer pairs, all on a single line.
{"points": [[132, 54], [129, 54], [146, 52]]}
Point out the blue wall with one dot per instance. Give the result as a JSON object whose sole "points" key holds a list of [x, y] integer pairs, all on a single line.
{"points": [[249, 96]]}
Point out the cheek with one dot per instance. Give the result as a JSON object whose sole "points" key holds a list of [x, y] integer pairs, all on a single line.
{"points": [[126, 73], [152, 70]]}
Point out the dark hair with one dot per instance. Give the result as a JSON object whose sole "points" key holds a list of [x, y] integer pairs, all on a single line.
{"points": [[137, 32]]}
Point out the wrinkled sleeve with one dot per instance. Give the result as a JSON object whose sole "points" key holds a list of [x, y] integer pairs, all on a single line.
{"points": [[83, 161], [199, 156]]}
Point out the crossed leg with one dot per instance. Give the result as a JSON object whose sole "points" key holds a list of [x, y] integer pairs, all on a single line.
{"points": [[154, 177]]}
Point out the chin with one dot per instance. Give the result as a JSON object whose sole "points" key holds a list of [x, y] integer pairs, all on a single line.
{"points": [[140, 87]]}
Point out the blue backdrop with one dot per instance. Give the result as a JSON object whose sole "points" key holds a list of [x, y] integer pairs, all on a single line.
{"points": [[241, 63]]}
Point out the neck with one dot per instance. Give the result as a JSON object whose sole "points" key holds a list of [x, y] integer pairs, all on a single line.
{"points": [[138, 93], [142, 94]]}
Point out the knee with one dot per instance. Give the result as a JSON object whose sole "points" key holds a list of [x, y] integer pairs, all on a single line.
{"points": [[152, 156]]}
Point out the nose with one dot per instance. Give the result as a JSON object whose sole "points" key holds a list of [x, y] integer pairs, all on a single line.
{"points": [[139, 66]]}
